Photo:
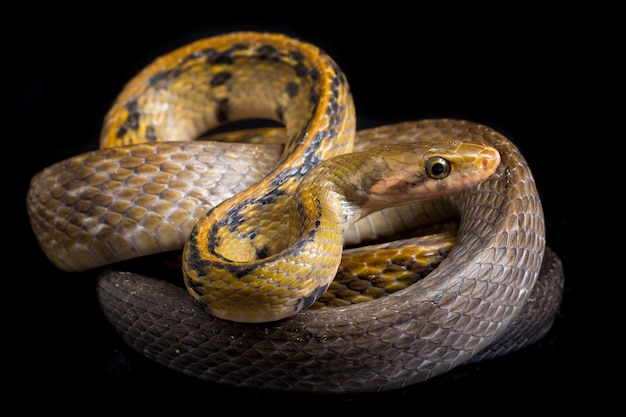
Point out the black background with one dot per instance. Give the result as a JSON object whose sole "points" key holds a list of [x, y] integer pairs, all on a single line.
{"points": [[525, 73]]}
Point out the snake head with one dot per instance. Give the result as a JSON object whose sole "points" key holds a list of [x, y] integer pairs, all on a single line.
{"points": [[419, 171]]}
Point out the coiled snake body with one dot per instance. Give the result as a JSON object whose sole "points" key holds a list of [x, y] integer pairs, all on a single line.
{"points": [[234, 209]]}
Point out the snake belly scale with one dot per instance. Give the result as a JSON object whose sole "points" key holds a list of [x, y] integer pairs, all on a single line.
{"points": [[236, 208]]}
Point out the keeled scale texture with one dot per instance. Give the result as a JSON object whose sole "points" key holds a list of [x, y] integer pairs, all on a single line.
{"points": [[464, 310]]}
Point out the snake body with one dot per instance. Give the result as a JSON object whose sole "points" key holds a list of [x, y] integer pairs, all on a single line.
{"points": [[148, 190]]}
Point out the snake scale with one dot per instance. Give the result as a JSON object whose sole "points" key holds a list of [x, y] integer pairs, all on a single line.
{"points": [[491, 288]]}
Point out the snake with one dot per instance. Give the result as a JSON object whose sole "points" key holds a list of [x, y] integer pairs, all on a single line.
{"points": [[251, 212]]}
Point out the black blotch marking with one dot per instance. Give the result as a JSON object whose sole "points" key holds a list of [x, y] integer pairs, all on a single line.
{"points": [[271, 197], [307, 301], [196, 263], [214, 56], [280, 113], [163, 77], [268, 52], [193, 261], [314, 98], [151, 134], [132, 122], [220, 78], [234, 217], [302, 70], [292, 89], [222, 109], [194, 286], [284, 176], [222, 58], [310, 234], [311, 156], [262, 253], [296, 55]]}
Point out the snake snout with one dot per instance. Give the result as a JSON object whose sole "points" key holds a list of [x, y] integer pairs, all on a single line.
{"points": [[488, 159]]}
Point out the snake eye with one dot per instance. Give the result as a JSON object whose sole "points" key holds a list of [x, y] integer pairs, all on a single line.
{"points": [[437, 167]]}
